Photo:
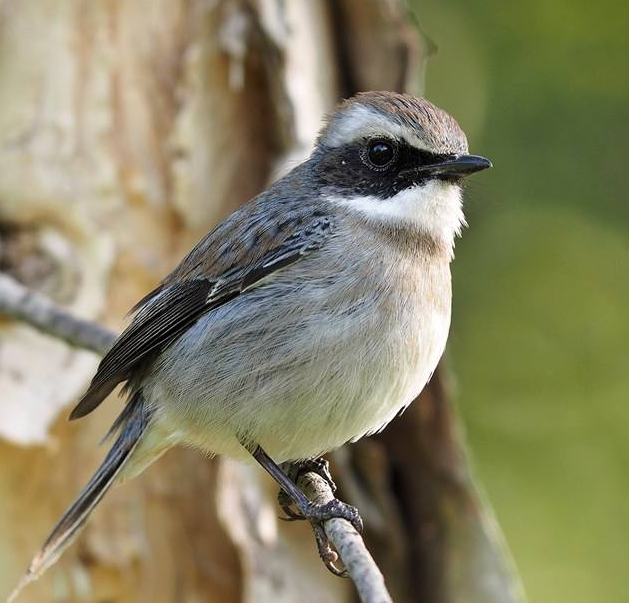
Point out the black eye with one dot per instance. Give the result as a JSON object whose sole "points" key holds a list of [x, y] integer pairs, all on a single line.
{"points": [[380, 153]]}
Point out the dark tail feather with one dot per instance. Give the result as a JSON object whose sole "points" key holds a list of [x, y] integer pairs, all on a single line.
{"points": [[69, 526]]}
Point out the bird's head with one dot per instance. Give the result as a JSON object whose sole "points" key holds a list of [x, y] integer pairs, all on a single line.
{"points": [[399, 161]]}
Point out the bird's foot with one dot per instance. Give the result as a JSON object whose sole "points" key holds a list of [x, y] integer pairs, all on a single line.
{"points": [[294, 470], [317, 514], [297, 506]]}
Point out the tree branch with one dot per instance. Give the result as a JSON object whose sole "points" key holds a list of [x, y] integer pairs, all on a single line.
{"points": [[358, 562], [19, 302]]}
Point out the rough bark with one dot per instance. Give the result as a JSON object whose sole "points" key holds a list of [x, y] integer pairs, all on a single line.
{"points": [[127, 129]]}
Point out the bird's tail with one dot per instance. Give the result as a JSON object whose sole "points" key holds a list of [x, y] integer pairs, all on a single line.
{"points": [[132, 426]]}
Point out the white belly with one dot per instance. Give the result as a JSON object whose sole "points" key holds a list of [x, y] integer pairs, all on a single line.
{"points": [[302, 372]]}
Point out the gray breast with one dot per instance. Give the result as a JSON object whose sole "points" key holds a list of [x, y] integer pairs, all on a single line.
{"points": [[326, 351]]}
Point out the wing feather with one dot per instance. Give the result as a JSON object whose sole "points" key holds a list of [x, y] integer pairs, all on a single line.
{"points": [[155, 325], [175, 306]]}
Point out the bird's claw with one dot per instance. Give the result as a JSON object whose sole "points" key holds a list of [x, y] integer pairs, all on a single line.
{"points": [[290, 514], [286, 504], [318, 514], [334, 509], [337, 571], [294, 470], [320, 466], [327, 554]]}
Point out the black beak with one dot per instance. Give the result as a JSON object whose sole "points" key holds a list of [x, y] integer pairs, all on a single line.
{"points": [[455, 167]]}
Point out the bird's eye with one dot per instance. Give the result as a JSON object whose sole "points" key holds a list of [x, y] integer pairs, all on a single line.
{"points": [[380, 154]]}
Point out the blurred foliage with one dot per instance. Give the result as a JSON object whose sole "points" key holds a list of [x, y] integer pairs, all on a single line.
{"points": [[541, 279]]}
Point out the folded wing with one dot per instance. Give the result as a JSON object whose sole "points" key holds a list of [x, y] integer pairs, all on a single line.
{"points": [[173, 307]]}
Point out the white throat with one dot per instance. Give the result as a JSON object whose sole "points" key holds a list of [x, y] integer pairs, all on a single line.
{"points": [[435, 208]]}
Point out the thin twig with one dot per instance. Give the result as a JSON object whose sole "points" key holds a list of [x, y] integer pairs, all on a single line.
{"points": [[23, 304], [358, 562], [17, 301]]}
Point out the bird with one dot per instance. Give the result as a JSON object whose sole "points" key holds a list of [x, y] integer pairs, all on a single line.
{"points": [[309, 318]]}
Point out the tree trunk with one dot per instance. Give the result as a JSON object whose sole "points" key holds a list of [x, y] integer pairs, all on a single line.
{"points": [[127, 130]]}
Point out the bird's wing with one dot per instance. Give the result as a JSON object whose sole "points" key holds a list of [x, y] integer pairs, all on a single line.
{"points": [[190, 292]]}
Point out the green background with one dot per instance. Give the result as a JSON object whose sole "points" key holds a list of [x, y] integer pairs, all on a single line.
{"points": [[541, 279]]}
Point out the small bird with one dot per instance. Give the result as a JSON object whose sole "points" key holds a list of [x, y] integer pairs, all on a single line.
{"points": [[310, 317]]}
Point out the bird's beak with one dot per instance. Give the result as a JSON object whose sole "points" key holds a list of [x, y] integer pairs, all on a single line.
{"points": [[456, 167]]}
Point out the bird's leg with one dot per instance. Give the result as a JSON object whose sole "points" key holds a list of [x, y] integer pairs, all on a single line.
{"points": [[313, 512], [293, 471]]}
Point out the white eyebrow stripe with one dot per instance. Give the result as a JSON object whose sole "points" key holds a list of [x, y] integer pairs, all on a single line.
{"points": [[361, 122]]}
